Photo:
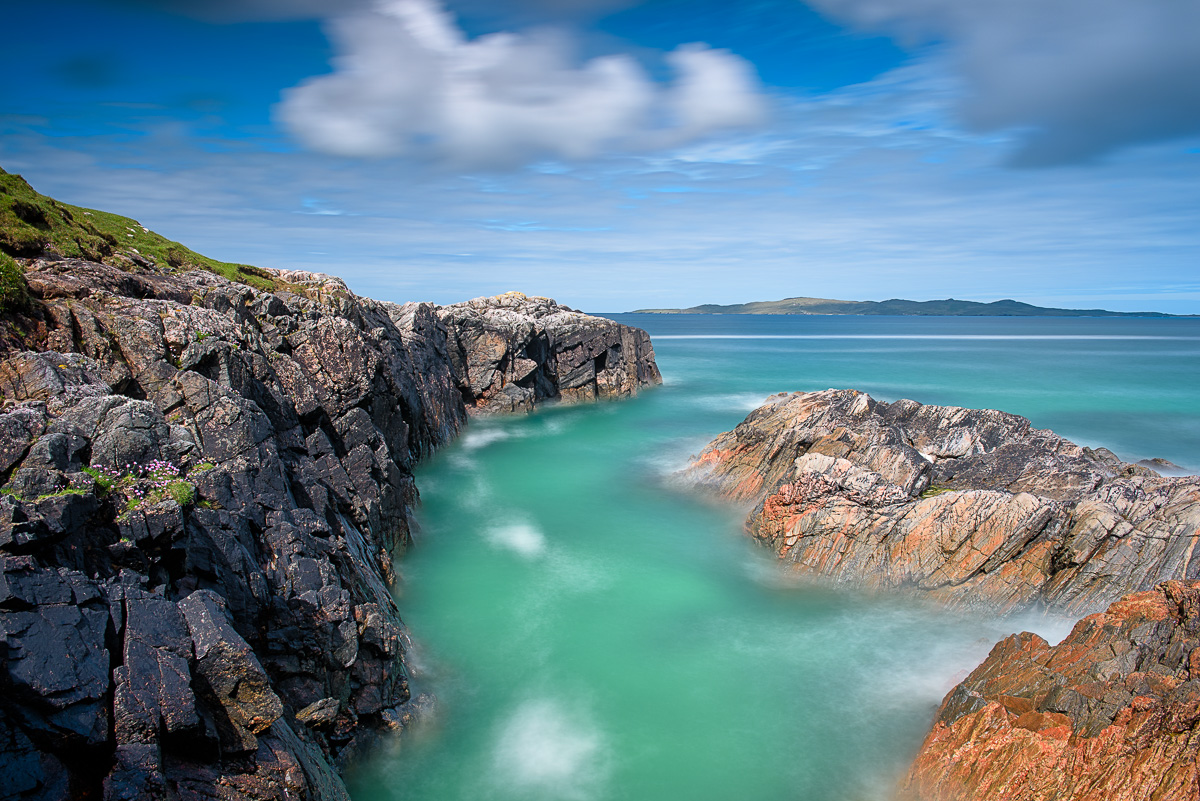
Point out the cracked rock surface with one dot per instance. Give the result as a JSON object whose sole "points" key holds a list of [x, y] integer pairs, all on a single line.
{"points": [[204, 485], [970, 507], [512, 351], [1112, 713]]}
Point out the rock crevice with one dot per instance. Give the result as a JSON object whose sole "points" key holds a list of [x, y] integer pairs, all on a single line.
{"points": [[204, 486]]}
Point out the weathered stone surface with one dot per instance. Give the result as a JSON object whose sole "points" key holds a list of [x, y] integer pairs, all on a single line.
{"points": [[18, 428], [512, 351], [319, 713], [228, 673], [1112, 713], [971, 507], [153, 693], [162, 641]]}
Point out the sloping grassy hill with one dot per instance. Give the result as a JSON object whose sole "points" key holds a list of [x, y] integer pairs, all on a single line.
{"points": [[32, 224]]}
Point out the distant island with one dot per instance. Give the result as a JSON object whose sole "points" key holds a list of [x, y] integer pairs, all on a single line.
{"points": [[896, 306]]}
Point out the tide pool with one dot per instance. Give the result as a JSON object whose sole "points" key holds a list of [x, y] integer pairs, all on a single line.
{"points": [[593, 631]]}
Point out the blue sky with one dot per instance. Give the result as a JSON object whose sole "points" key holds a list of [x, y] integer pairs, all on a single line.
{"points": [[617, 154]]}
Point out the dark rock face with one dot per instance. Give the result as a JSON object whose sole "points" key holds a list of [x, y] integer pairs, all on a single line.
{"points": [[204, 486], [971, 507], [1112, 713], [511, 351]]}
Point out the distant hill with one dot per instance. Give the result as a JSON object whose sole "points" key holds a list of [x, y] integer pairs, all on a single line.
{"points": [[896, 306]]}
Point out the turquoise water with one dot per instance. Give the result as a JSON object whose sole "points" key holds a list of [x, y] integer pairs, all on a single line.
{"points": [[594, 632]]}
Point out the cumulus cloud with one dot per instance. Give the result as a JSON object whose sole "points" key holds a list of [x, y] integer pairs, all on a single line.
{"points": [[408, 82], [1078, 78]]}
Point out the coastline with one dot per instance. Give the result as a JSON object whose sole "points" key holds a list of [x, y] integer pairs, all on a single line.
{"points": [[205, 487]]}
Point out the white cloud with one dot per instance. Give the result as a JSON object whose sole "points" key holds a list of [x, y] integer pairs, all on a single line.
{"points": [[1080, 78], [407, 82], [869, 192]]}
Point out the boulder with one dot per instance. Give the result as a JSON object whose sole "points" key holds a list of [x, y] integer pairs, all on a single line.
{"points": [[512, 351], [228, 673]]}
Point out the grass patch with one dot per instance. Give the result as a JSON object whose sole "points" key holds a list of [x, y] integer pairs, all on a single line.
{"points": [[143, 485], [31, 223], [60, 493], [934, 490], [14, 292], [104, 482], [182, 492]]}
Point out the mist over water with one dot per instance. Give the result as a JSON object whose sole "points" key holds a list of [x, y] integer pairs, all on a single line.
{"points": [[594, 631]]}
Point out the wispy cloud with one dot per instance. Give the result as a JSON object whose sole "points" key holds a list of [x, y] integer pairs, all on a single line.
{"points": [[408, 82], [1076, 78], [869, 191]]}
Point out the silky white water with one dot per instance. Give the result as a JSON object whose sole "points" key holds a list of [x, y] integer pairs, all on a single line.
{"points": [[594, 631]]}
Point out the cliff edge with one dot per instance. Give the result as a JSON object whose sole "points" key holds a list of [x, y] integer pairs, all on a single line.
{"points": [[204, 484]]}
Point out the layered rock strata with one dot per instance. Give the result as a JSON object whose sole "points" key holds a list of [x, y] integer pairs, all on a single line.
{"points": [[970, 507], [511, 352], [203, 488], [1112, 713]]}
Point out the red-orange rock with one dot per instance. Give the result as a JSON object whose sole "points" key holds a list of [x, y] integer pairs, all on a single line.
{"points": [[1112, 713]]}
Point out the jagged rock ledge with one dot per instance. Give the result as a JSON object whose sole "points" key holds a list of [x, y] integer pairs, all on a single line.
{"points": [[511, 352], [203, 488], [1112, 713], [969, 507]]}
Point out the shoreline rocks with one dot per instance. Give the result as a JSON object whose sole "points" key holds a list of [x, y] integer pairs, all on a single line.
{"points": [[511, 352], [968, 507], [977, 508], [1112, 713], [204, 485]]}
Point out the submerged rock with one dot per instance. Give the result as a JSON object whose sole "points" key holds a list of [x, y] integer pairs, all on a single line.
{"points": [[970, 507], [205, 485], [1112, 713]]}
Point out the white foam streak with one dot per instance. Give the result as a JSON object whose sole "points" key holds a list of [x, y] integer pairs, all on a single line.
{"points": [[739, 401], [477, 438], [523, 539], [546, 749]]}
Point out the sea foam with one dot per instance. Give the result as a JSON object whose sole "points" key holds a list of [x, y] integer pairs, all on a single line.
{"points": [[549, 749], [522, 539]]}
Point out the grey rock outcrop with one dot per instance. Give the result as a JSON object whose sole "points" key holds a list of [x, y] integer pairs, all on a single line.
{"points": [[511, 351], [970, 507], [204, 487]]}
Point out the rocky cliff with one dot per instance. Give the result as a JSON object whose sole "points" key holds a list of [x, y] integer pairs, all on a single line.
{"points": [[204, 484], [970, 507], [1112, 713], [511, 352]]}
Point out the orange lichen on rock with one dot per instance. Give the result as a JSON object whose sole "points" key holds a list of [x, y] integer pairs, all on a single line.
{"points": [[1112, 713]]}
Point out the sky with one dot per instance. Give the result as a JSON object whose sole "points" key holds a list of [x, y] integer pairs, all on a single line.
{"points": [[621, 154]]}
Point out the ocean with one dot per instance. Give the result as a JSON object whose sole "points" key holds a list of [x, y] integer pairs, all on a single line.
{"points": [[594, 631]]}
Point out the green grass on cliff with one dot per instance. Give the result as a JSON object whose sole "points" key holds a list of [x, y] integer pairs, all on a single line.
{"points": [[14, 293], [32, 224]]}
